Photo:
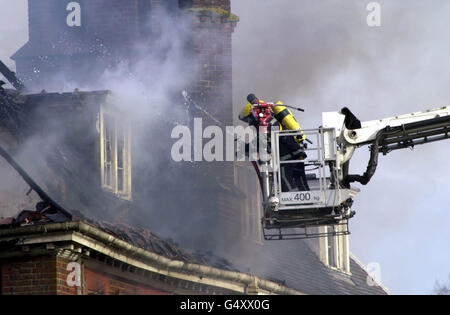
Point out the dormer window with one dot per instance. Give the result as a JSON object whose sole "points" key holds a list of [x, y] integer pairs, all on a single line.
{"points": [[115, 149]]}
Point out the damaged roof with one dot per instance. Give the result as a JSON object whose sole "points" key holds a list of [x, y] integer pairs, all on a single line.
{"points": [[45, 213]]}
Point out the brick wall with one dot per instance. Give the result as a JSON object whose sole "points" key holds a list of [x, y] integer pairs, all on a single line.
{"points": [[212, 44], [213, 47], [111, 20], [47, 275], [61, 278], [29, 276], [110, 27], [39, 275], [222, 4], [213, 89], [114, 21], [102, 283], [38, 14]]}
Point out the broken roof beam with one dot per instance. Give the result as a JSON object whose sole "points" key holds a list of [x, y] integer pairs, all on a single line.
{"points": [[11, 77], [42, 194]]}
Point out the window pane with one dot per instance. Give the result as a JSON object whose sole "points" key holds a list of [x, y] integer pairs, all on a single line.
{"points": [[107, 151], [120, 147], [107, 138], [332, 261], [331, 258], [108, 175], [107, 134], [107, 126], [120, 179]]}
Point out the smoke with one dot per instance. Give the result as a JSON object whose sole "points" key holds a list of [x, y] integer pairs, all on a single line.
{"points": [[146, 88], [322, 57], [13, 193], [13, 34]]}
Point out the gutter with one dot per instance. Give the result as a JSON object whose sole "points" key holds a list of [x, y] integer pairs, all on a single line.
{"points": [[149, 257]]}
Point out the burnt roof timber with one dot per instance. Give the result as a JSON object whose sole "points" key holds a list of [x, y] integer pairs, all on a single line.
{"points": [[33, 186], [11, 77]]}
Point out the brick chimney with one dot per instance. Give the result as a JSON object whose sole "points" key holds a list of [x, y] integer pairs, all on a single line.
{"points": [[80, 38], [212, 40]]}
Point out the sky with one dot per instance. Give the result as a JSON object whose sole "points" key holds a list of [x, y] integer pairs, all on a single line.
{"points": [[323, 56]]}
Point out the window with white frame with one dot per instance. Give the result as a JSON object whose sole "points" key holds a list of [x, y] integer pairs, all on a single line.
{"points": [[334, 249], [115, 155]]}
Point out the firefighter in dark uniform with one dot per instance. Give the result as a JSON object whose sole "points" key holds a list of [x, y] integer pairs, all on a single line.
{"points": [[293, 176]]}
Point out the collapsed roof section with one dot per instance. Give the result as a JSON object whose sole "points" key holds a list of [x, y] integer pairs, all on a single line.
{"points": [[133, 248]]}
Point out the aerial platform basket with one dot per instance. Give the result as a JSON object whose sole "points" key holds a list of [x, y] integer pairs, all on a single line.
{"points": [[291, 212]]}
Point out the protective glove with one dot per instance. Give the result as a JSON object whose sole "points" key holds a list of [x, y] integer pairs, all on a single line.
{"points": [[304, 145]]}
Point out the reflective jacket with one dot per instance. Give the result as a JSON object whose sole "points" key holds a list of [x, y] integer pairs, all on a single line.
{"points": [[283, 117]]}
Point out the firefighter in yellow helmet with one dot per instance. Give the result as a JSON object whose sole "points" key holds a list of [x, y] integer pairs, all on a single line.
{"points": [[291, 148]]}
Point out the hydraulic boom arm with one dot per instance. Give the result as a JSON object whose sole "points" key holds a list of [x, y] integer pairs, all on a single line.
{"points": [[384, 135]]}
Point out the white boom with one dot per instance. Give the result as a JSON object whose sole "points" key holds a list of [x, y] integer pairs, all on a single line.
{"points": [[329, 197], [409, 124], [387, 134]]}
